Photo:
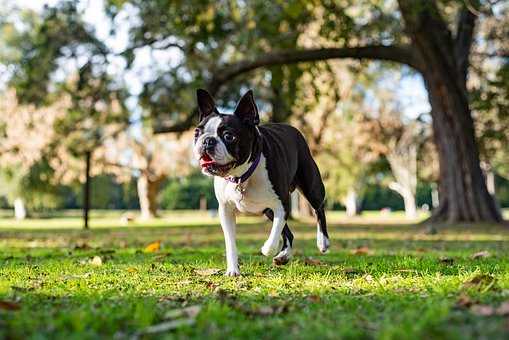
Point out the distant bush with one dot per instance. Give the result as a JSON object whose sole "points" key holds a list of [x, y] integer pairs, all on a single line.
{"points": [[185, 193]]}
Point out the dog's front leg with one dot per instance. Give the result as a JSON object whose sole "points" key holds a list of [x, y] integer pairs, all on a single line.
{"points": [[229, 224], [272, 246]]}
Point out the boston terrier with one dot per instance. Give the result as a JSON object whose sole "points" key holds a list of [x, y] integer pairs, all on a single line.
{"points": [[255, 169]]}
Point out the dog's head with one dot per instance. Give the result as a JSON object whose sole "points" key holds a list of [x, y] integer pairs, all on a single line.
{"points": [[223, 142]]}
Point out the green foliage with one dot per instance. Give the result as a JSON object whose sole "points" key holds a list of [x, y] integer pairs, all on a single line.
{"points": [[185, 193]]}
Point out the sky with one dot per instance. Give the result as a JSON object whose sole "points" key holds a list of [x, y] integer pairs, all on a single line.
{"points": [[409, 88]]}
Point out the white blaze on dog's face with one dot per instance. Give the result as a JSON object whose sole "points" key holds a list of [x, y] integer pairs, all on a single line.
{"points": [[224, 141], [209, 147]]}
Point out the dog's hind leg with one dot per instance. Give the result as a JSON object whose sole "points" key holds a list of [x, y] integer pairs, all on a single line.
{"points": [[311, 186], [285, 254]]}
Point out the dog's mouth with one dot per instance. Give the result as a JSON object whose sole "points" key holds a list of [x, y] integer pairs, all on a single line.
{"points": [[211, 166]]}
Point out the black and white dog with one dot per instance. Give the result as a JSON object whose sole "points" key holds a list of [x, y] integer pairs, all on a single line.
{"points": [[255, 168]]}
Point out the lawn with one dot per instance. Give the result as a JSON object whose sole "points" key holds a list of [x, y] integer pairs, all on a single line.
{"points": [[382, 279]]}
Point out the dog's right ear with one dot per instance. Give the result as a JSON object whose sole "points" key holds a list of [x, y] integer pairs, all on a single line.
{"points": [[206, 104]]}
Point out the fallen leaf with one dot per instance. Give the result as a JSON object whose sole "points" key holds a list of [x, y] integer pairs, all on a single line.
{"points": [[9, 305], [189, 312], [82, 246], [207, 271], [313, 298], [483, 310], [446, 260], [167, 326], [153, 247], [132, 270], [312, 262], [480, 254], [351, 271], [503, 309], [364, 250], [96, 261], [265, 310], [482, 281], [464, 301]]}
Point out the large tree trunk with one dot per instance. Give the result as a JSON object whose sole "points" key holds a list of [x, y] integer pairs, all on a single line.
{"points": [[408, 196], [462, 187], [147, 195]]}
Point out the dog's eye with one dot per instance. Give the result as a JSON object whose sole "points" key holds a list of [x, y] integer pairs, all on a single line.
{"points": [[228, 137], [196, 133]]}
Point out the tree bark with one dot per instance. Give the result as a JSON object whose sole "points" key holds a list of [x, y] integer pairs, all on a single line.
{"points": [[86, 191], [462, 188], [147, 195]]}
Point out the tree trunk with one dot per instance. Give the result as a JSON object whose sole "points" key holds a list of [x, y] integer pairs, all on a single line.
{"points": [[147, 195], [20, 212], [86, 191], [462, 187], [352, 203]]}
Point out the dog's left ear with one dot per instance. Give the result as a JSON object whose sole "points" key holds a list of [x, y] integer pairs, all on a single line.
{"points": [[247, 110]]}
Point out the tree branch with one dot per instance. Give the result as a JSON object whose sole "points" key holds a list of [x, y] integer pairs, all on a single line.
{"points": [[464, 39], [399, 54]]}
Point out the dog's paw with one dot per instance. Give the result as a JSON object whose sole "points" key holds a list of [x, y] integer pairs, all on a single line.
{"points": [[232, 272], [270, 248], [322, 242], [283, 257]]}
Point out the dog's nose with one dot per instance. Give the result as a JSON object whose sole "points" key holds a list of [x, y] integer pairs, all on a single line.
{"points": [[209, 143]]}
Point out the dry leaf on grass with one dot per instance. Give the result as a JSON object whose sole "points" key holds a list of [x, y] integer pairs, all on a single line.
{"points": [[188, 312], [166, 326], [483, 310], [96, 261], [364, 250], [480, 254], [446, 260], [483, 282], [312, 262], [207, 271], [313, 298], [132, 270], [9, 305], [464, 301], [153, 247]]}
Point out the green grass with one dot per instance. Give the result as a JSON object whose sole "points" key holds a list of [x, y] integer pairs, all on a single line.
{"points": [[406, 287]]}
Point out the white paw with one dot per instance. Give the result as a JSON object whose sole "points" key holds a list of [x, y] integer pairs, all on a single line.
{"points": [[283, 257], [270, 248], [232, 272], [322, 242]]}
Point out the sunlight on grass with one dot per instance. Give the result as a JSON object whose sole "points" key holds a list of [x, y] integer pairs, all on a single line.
{"points": [[380, 280]]}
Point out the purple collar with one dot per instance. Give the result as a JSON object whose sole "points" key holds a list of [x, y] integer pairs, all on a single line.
{"points": [[247, 174]]}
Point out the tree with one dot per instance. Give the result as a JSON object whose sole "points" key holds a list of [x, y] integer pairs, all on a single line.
{"points": [[151, 159], [61, 41], [426, 43], [26, 132]]}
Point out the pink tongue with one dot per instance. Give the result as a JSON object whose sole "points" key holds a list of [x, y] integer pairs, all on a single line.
{"points": [[206, 160]]}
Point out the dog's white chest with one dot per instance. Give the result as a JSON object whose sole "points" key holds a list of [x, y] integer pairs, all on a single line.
{"points": [[252, 196]]}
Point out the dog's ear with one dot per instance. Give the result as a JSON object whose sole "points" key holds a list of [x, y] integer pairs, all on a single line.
{"points": [[246, 109], [206, 104]]}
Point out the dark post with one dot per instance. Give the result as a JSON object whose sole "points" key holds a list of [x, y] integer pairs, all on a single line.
{"points": [[86, 192]]}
